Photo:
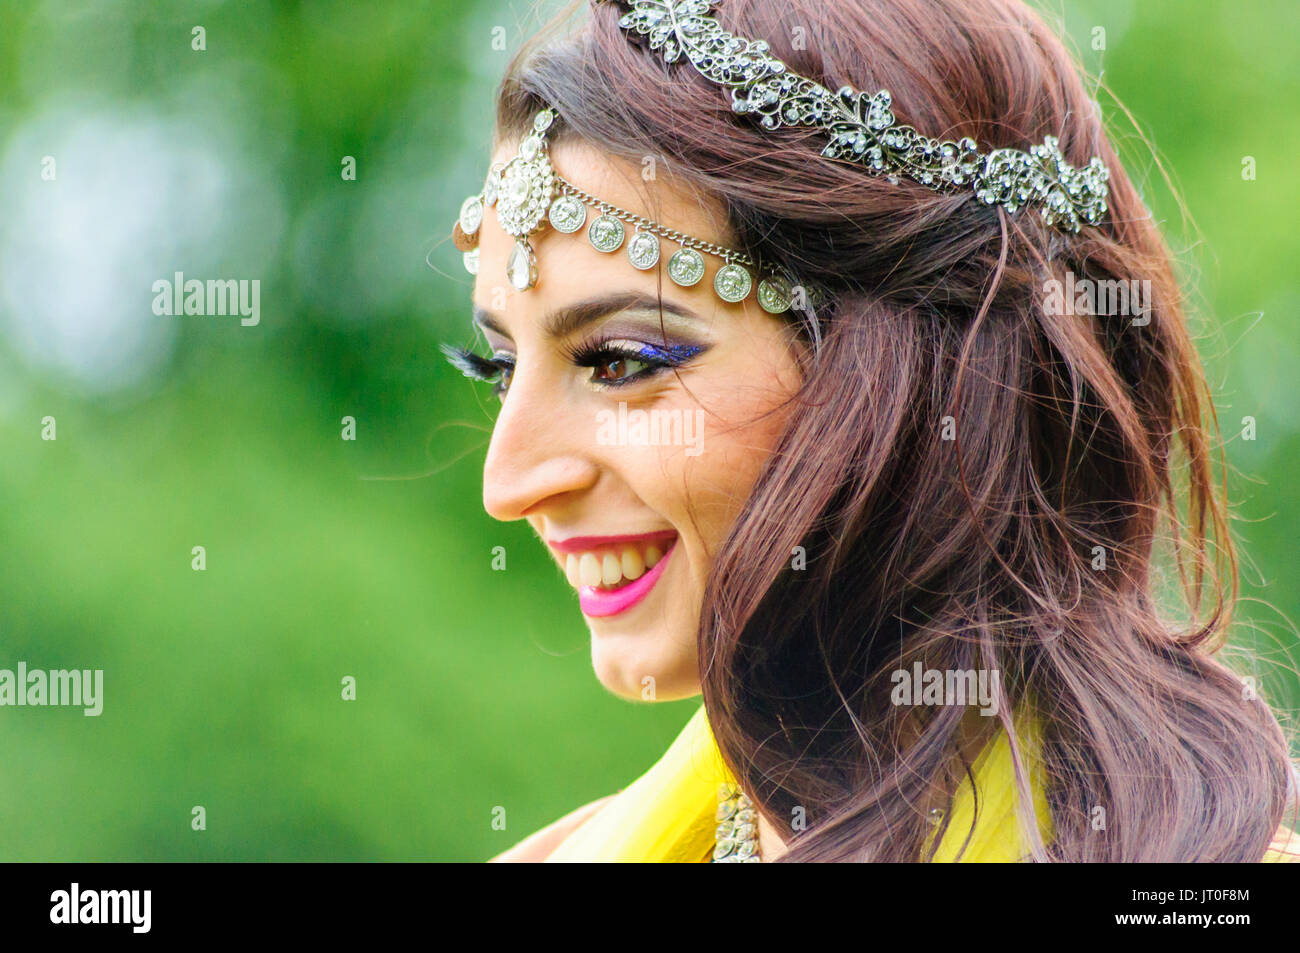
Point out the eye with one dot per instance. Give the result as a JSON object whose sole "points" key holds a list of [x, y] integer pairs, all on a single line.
{"points": [[505, 374], [616, 368], [619, 363]]}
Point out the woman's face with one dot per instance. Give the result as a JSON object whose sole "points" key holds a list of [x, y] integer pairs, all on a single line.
{"points": [[629, 445]]}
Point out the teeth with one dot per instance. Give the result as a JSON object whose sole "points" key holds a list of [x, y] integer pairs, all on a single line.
{"points": [[632, 564], [609, 568], [589, 570]]}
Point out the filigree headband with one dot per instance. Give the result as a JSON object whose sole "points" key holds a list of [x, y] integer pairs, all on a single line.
{"points": [[862, 128]]}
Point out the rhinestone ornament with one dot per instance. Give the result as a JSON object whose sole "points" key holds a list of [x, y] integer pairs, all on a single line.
{"points": [[492, 186], [523, 195], [526, 193]]}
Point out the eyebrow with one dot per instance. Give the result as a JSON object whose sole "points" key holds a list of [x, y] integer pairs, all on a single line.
{"points": [[574, 317]]}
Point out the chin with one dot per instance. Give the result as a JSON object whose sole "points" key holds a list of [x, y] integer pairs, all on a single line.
{"points": [[624, 666]]}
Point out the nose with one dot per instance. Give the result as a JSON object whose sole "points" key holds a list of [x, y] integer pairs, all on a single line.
{"points": [[539, 453]]}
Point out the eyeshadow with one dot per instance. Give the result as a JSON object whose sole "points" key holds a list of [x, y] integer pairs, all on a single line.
{"points": [[675, 353]]}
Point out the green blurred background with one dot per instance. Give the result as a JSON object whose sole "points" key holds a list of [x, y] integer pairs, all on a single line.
{"points": [[372, 558]]}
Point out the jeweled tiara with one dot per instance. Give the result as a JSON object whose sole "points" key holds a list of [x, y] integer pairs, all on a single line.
{"points": [[863, 128]]}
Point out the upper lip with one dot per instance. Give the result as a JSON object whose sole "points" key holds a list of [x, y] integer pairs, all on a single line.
{"points": [[583, 544]]}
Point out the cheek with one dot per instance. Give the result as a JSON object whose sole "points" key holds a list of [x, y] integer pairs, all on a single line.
{"points": [[724, 475], [737, 435]]}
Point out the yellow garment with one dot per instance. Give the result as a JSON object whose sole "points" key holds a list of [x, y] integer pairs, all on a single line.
{"points": [[669, 813]]}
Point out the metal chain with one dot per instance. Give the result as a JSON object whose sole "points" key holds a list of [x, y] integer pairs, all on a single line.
{"points": [[671, 234]]}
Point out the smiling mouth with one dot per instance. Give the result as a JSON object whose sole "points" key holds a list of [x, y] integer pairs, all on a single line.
{"points": [[612, 574]]}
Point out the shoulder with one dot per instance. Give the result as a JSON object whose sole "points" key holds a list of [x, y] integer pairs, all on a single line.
{"points": [[537, 847]]}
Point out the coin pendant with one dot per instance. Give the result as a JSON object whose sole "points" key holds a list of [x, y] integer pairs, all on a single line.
{"points": [[774, 295], [471, 214], [732, 283], [567, 214], [462, 241], [605, 233], [686, 267], [643, 250]]}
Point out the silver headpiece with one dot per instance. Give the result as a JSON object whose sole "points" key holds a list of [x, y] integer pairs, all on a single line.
{"points": [[862, 128], [529, 194]]}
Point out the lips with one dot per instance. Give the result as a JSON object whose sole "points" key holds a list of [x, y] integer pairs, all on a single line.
{"points": [[614, 573]]}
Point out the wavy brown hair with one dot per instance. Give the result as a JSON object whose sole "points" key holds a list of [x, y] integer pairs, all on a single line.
{"points": [[1075, 435]]}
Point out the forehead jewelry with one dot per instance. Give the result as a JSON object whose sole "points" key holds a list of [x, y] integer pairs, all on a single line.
{"points": [[862, 128], [529, 194]]}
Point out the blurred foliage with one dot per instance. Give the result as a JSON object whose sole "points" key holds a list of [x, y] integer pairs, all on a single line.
{"points": [[371, 558]]}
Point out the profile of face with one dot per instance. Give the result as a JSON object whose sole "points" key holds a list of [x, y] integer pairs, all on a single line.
{"points": [[628, 438]]}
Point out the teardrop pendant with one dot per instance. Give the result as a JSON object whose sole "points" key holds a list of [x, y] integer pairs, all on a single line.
{"points": [[521, 268]]}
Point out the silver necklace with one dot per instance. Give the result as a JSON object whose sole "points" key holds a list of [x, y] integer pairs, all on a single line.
{"points": [[737, 836]]}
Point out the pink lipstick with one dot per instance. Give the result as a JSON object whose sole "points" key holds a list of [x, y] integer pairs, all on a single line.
{"points": [[597, 602], [614, 573]]}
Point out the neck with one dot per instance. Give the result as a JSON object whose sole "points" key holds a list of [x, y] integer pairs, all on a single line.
{"points": [[770, 844]]}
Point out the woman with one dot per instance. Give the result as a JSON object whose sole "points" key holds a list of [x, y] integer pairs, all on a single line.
{"points": [[793, 395]]}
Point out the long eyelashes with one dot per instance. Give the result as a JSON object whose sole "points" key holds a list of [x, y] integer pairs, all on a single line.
{"points": [[629, 362], [495, 370]]}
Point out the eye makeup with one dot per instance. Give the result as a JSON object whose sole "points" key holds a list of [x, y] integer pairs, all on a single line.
{"points": [[614, 361], [630, 360]]}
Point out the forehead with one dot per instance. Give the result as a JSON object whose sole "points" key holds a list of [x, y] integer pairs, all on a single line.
{"points": [[646, 186], [568, 264]]}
